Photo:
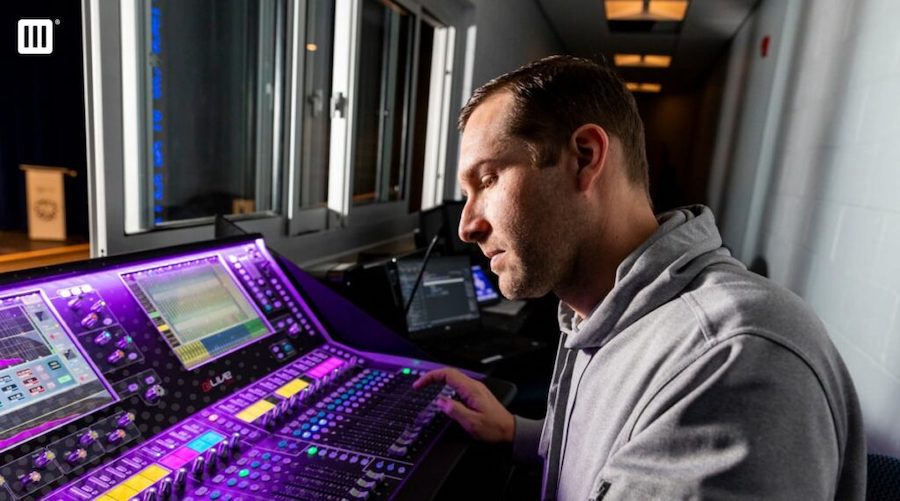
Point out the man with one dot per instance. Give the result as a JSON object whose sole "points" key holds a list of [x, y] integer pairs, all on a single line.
{"points": [[679, 374]]}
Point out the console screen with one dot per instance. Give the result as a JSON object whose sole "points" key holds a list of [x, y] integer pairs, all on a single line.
{"points": [[45, 379], [198, 309], [446, 295]]}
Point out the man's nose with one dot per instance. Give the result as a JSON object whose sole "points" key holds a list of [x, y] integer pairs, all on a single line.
{"points": [[473, 227]]}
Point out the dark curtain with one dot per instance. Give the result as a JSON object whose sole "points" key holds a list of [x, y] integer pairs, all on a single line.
{"points": [[42, 110]]}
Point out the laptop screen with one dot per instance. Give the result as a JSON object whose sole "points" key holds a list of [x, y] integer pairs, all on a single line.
{"points": [[445, 296], [484, 289]]}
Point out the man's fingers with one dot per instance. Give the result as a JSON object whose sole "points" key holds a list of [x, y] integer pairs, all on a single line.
{"points": [[464, 385], [457, 411], [433, 376]]}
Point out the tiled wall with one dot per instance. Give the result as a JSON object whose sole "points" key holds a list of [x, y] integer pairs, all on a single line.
{"points": [[830, 226]]}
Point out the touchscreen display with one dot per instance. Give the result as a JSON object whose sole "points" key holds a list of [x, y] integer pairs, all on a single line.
{"points": [[198, 308], [45, 378]]}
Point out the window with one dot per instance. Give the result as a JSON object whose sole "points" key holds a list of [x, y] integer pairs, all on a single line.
{"points": [[210, 71], [301, 115]]}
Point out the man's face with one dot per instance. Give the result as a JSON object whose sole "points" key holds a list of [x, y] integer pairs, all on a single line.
{"points": [[519, 214]]}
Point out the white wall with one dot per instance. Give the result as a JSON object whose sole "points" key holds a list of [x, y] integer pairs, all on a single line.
{"points": [[510, 33], [506, 35], [752, 104], [830, 229]]}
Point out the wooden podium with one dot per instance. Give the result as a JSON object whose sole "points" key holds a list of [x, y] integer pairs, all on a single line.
{"points": [[46, 201]]}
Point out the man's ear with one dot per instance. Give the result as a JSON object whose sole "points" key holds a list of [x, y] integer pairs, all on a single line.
{"points": [[590, 143]]}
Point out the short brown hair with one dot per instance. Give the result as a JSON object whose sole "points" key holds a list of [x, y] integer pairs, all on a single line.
{"points": [[557, 94]]}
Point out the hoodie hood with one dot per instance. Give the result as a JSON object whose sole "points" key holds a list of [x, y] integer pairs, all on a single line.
{"points": [[686, 242]]}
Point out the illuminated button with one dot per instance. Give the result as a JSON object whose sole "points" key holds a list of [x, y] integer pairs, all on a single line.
{"points": [[231, 482], [215, 495], [312, 450], [406, 371], [243, 473]]}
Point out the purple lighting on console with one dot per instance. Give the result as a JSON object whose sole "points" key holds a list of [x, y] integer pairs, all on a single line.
{"points": [[8, 362]]}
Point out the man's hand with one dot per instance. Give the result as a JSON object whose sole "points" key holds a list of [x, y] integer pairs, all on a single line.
{"points": [[478, 412]]}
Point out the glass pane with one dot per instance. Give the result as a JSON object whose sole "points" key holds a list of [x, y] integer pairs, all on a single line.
{"points": [[317, 90], [211, 84], [420, 122], [381, 102]]}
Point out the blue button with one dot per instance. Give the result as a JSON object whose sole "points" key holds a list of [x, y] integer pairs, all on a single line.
{"points": [[255, 464], [323, 422], [282, 444], [231, 482], [215, 495], [267, 456], [314, 428], [296, 433], [306, 434], [391, 467]]}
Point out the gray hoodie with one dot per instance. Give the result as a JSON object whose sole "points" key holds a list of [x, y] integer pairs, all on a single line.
{"points": [[695, 378]]}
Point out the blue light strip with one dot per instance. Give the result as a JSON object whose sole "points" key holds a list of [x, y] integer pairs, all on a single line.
{"points": [[158, 133]]}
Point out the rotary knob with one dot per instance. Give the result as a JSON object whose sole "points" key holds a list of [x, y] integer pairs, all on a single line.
{"points": [[74, 303], [198, 467], [103, 338], [149, 495], [76, 456], [87, 438], [180, 479], [154, 393], [224, 451], [29, 479], [124, 342], [165, 489], [116, 436], [125, 419], [90, 320], [235, 442], [115, 357], [43, 459]]}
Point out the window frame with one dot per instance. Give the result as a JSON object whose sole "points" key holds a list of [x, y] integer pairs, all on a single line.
{"points": [[115, 123]]}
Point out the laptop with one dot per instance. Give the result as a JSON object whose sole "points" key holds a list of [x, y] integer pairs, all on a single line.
{"points": [[445, 315], [445, 302]]}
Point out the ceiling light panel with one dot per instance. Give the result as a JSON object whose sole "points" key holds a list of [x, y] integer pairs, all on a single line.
{"points": [[642, 60], [646, 10]]}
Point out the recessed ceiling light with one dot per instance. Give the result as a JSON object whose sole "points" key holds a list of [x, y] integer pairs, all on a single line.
{"points": [[646, 10], [311, 47], [643, 60], [643, 87]]}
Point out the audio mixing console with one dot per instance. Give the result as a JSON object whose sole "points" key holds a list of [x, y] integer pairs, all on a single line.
{"points": [[197, 373]]}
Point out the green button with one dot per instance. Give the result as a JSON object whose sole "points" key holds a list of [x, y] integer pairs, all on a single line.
{"points": [[243, 473], [312, 450]]}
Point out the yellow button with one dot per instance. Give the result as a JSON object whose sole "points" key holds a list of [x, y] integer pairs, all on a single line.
{"points": [[256, 410], [292, 388], [122, 493], [138, 483], [154, 472]]}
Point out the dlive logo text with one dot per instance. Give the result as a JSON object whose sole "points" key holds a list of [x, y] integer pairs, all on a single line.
{"points": [[35, 36]]}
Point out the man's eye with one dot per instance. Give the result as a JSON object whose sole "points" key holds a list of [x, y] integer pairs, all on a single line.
{"points": [[488, 180]]}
